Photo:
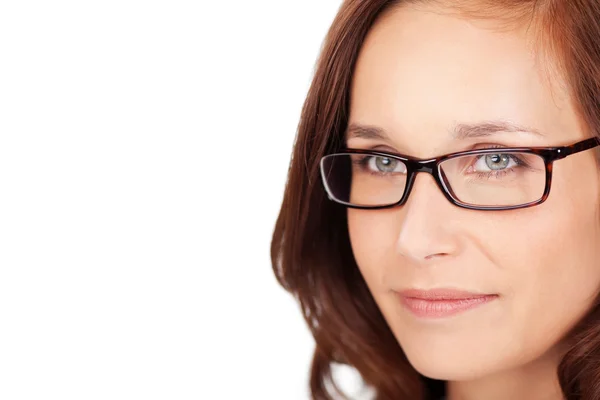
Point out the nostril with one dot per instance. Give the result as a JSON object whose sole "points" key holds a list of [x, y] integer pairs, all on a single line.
{"points": [[437, 255]]}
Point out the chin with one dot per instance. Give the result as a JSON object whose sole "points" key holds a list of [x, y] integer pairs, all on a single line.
{"points": [[449, 365]]}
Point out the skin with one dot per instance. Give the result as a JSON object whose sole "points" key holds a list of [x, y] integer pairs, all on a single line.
{"points": [[420, 71]]}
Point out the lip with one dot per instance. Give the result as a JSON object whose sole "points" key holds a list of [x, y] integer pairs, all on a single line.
{"points": [[441, 303]]}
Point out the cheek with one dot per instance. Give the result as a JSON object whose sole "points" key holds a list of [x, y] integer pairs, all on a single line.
{"points": [[372, 230], [559, 250], [558, 268], [373, 237], [551, 273]]}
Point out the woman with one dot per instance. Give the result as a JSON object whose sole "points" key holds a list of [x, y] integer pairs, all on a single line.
{"points": [[440, 225]]}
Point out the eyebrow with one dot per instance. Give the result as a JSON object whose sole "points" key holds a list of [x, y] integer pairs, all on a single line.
{"points": [[460, 131]]}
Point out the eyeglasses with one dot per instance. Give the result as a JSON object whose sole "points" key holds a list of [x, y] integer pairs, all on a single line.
{"points": [[486, 179]]}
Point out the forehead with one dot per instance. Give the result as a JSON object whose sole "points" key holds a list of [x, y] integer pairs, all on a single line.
{"points": [[422, 71]]}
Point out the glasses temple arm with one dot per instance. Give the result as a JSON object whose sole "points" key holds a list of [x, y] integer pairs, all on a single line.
{"points": [[564, 151]]}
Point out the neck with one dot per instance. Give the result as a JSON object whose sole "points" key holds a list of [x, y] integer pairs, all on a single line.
{"points": [[537, 380]]}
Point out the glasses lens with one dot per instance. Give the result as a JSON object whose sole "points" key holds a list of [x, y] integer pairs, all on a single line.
{"points": [[495, 179], [364, 180]]}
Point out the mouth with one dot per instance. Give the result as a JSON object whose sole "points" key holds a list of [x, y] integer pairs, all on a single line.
{"points": [[441, 303]]}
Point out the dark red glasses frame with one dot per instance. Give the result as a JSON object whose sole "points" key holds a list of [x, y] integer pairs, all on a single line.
{"points": [[432, 166]]}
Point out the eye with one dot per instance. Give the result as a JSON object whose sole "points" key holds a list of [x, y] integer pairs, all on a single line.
{"points": [[386, 165], [494, 162]]}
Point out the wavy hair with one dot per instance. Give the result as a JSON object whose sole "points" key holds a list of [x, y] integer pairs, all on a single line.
{"points": [[310, 249]]}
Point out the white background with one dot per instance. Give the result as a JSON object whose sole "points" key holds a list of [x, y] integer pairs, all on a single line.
{"points": [[144, 147]]}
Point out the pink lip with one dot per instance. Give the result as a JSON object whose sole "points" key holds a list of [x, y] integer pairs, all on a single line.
{"points": [[440, 303]]}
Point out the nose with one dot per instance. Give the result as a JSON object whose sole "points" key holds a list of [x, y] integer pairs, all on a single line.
{"points": [[427, 223]]}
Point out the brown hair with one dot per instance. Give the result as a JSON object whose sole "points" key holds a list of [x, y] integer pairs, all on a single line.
{"points": [[310, 251]]}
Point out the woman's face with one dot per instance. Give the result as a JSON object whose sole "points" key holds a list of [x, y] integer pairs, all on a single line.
{"points": [[419, 74]]}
